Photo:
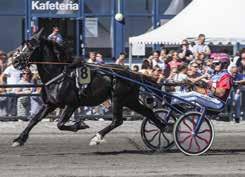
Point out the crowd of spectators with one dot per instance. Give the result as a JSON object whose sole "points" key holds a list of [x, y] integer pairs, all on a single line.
{"points": [[15, 101], [194, 62], [191, 61]]}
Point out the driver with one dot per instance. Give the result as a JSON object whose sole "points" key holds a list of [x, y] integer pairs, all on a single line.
{"points": [[219, 86]]}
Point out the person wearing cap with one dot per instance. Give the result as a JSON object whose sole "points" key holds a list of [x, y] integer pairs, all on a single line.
{"points": [[56, 36]]}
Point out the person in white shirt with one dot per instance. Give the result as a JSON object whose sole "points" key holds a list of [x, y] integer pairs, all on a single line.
{"points": [[157, 62], [92, 58], [201, 47], [11, 76], [56, 36]]}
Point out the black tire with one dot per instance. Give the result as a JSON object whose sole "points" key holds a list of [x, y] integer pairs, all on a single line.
{"points": [[188, 142], [164, 140]]}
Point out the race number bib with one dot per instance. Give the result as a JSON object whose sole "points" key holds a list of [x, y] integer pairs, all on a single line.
{"points": [[84, 74]]}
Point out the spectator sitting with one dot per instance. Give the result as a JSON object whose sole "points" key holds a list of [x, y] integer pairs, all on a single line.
{"points": [[121, 59], [23, 103], [56, 36], [176, 61], [200, 47], [180, 76]]}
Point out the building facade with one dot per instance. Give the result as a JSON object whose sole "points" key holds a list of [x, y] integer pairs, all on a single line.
{"points": [[85, 25]]}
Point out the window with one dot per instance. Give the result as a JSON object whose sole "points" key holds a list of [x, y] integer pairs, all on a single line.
{"points": [[99, 39], [136, 26], [12, 34], [12, 6], [172, 7], [138, 6], [98, 6]]}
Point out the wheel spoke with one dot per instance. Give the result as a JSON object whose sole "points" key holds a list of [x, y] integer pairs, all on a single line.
{"points": [[153, 130], [198, 145], [190, 144], [153, 137], [165, 138], [185, 139], [201, 138], [203, 131], [159, 140], [184, 132], [193, 122], [184, 121]]}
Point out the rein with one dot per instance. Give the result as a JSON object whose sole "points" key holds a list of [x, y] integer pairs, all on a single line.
{"points": [[66, 63]]}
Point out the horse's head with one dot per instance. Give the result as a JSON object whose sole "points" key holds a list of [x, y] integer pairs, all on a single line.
{"points": [[22, 57]]}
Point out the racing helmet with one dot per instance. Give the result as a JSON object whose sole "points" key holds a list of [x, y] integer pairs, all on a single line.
{"points": [[222, 58]]}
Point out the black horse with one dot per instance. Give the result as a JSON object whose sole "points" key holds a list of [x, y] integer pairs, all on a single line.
{"points": [[63, 93]]}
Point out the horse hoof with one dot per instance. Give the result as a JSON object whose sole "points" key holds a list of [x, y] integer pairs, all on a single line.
{"points": [[16, 144], [96, 140]]}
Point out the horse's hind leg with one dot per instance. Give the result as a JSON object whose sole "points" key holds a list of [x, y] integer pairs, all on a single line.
{"points": [[65, 116], [117, 120], [136, 106], [44, 110]]}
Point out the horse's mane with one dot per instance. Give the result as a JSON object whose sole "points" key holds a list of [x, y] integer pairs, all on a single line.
{"points": [[63, 50]]}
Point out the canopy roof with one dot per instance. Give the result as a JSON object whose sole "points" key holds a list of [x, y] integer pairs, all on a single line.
{"points": [[219, 20]]}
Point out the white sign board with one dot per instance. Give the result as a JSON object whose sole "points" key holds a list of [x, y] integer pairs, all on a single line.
{"points": [[91, 27], [138, 50]]}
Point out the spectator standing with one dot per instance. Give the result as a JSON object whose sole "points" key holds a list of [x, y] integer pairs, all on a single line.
{"points": [[235, 96], [3, 61], [156, 60], [56, 36], [92, 58], [99, 58], [11, 76], [23, 103], [201, 47], [185, 53], [135, 68], [121, 59]]}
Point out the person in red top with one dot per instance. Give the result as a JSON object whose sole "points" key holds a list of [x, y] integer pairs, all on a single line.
{"points": [[221, 80]]}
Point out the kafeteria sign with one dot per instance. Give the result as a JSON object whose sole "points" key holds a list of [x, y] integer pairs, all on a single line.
{"points": [[48, 5]]}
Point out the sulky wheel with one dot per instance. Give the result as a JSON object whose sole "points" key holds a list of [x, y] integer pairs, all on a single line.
{"points": [[189, 142], [151, 135]]}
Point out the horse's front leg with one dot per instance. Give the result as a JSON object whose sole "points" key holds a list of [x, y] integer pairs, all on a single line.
{"points": [[65, 116], [44, 110]]}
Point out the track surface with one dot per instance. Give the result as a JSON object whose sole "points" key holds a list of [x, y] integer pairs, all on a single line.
{"points": [[52, 153]]}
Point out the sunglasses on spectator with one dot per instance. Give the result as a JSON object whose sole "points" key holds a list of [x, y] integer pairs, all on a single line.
{"points": [[195, 66], [26, 73], [216, 63]]}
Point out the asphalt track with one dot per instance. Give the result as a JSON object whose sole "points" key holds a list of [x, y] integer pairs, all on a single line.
{"points": [[52, 153]]}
